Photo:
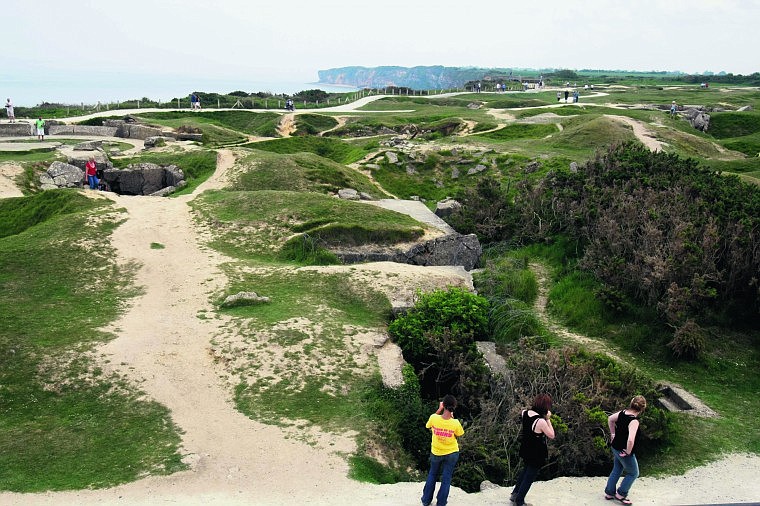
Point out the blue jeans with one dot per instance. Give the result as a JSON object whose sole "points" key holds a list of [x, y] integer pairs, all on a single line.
{"points": [[630, 465], [93, 182], [444, 463], [524, 480]]}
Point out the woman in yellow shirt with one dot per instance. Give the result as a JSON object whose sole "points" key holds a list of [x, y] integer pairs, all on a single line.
{"points": [[444, 450]]}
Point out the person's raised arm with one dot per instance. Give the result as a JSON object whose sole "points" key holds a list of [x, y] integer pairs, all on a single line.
{"points": [[545, 425]]}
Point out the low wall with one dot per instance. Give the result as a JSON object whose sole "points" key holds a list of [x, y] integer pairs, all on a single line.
{"points": [[15, 129], [100, 131]]}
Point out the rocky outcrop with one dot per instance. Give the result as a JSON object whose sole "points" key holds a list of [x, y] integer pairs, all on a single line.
{"points": [[131, 130], [447, 207], [62, 175], [495, 362], [143, 178], [158, 141], [244, 299], [450, 249], [88, 146], [698, 119]]}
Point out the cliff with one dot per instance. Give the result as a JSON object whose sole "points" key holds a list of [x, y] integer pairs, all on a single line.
{"points": [[420, 78]]}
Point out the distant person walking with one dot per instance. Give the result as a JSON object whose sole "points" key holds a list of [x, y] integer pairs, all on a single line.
{"points": [[444, 450], [91, 170], [40, 125], [9, 110], [624, 429], [559, 96], [673, 108], [195, 102], [567, 94], [536, 427]]}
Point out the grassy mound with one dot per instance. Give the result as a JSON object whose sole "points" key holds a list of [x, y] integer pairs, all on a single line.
{"points": [[299, 172], [312, 124], [256, 225], [334, 149], [590, 132]]}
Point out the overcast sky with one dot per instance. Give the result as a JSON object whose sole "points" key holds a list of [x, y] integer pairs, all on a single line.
{"points": [[154, 41]]}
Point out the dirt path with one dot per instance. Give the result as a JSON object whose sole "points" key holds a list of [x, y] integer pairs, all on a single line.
{"points": [[542, 276], [8, 173], [342, 120], [287, 125], [642, 133]]}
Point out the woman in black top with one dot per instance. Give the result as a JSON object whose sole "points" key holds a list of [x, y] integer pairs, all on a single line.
{"points": [[624, 427], [536, 427]]}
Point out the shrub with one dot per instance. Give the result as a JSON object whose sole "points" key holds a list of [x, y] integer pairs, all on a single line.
{"points": [[689, 341], [486, 210], [656, 228], [586, 389], [438, 337], [456, 309]]}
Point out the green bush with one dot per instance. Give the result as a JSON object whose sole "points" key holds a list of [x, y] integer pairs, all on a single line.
{"points": [[456, 309], [689, 341]]}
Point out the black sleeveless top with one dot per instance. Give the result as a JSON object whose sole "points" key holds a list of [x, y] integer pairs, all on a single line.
{"points": [[621, 432], [533, 448]]}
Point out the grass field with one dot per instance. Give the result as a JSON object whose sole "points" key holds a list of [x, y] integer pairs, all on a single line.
{"points": [[68, 424]]}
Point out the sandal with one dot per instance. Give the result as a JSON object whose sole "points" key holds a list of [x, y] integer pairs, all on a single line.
{"points": [[608, 496], [623, 500]]}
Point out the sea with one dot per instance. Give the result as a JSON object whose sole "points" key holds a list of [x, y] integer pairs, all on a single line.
{"points": [[106, 89]]}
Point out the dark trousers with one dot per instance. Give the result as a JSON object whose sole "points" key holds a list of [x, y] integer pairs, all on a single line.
{"points": [[524, 481]]}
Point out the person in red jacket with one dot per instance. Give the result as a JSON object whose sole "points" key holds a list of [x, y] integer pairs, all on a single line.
{"points": [[91, 171]]}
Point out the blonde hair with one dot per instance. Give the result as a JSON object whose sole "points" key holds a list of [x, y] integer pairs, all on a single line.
{"points": [[638, 403]]}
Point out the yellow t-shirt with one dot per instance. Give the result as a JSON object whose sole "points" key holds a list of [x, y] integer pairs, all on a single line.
{"points": [[445, 434]]}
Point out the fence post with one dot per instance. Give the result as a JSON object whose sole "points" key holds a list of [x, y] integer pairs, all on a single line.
{"points": [[217, 104], [178, 107]]}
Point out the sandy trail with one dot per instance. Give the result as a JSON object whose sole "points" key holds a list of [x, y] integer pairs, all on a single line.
{"points": [[643, 134], [8, 174]]}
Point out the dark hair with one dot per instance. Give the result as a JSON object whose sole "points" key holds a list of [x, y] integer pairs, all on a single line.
{"points": [[449, 403], [542, 403]]}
